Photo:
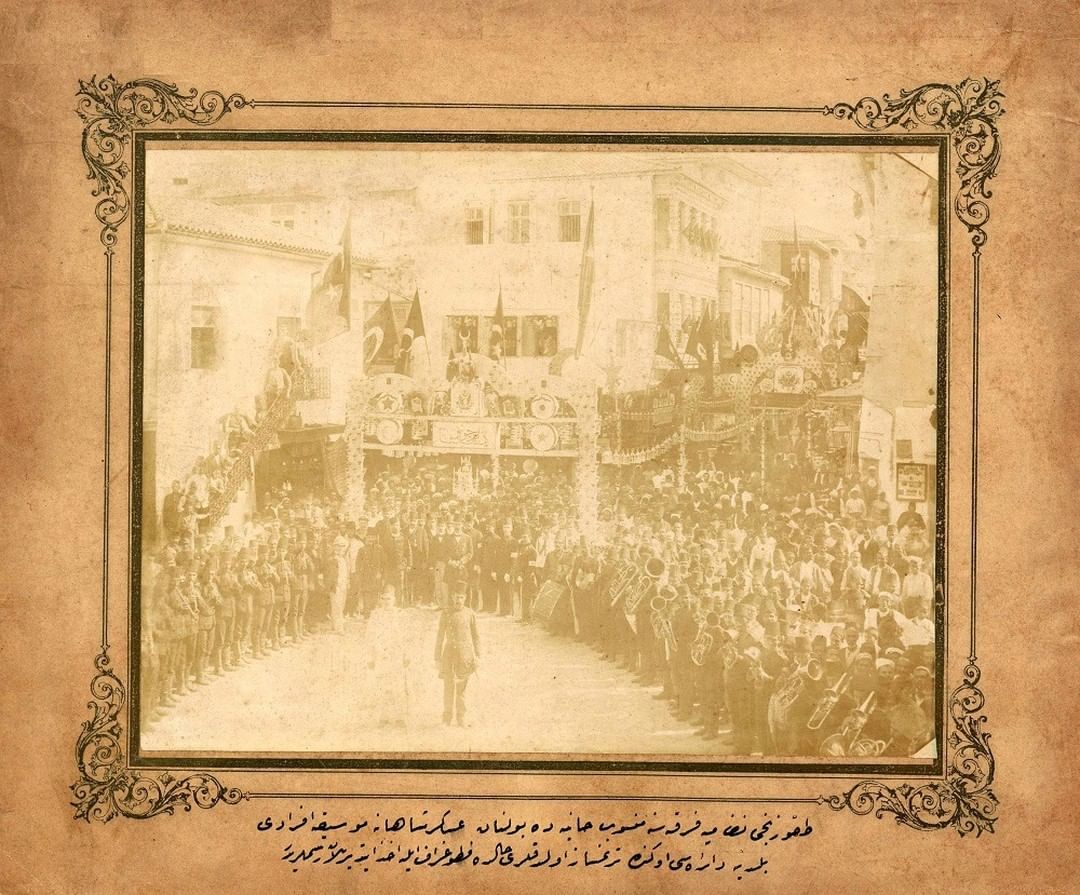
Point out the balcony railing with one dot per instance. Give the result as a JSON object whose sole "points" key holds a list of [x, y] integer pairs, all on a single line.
{"points": [[242, 466]]}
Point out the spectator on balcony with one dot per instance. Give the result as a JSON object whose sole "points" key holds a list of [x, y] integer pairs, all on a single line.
{"points": [[238, 428], [217, 486], [911, 519], [278, 383]]}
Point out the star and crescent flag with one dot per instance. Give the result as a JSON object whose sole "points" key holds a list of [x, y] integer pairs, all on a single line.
{"points": [[800, 272], [665, 348], [329, 307], [585, 282], [701, 345], [380, 336], [413, 330], [496, 345]]}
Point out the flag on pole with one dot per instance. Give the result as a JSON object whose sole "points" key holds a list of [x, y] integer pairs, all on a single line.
{"points": [[700, 345], [665, 347], [414, 329], [585, 283], [799, 271], [329, 307], [496, 348], [380, 336]]}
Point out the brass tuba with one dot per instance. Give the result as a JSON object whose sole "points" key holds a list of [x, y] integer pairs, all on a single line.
{"points": [[662, 608], [781, 701], [622, 581], [642, 584], [704, 639]]}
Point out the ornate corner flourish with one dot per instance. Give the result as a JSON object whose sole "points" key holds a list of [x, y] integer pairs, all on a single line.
{"points": [[968, 112], [111, 111], [963, 799], [107, 788]]}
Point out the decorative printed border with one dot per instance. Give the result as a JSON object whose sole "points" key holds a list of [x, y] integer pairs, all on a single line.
{"points": [[111, 112], [968, 112]]}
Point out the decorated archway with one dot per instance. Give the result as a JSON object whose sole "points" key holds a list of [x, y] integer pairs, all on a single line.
{"points": [[481, 410]]}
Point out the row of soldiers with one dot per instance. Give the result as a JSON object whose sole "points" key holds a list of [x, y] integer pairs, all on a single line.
{"points": [[208, 608]]}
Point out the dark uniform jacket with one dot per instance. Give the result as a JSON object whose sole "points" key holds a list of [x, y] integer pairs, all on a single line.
{"points": [[457, 645]]}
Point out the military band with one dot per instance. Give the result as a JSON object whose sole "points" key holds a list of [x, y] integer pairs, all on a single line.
{"points": [[773, 623]]}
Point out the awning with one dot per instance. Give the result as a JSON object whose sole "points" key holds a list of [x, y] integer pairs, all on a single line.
{"points": [[846, 394]]}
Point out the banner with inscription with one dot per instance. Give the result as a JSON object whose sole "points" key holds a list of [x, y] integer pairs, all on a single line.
{"points": [[474, 436], [911, 481]]}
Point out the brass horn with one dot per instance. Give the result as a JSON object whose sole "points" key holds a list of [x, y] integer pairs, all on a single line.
{"points": [[655, 567]]}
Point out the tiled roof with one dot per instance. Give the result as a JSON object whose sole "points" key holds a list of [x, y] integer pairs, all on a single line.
{"points": [[195, 217], [787, 234]]}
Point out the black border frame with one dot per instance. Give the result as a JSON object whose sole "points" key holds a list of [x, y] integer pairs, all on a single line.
{"points": [[821, 142]]}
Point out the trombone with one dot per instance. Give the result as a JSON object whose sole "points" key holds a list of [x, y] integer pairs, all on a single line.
{"points": [[848, 740], [832, 695]]}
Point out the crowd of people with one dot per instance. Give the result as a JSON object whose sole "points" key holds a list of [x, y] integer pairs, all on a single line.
{"points": [[187, 507], [791, 609]]}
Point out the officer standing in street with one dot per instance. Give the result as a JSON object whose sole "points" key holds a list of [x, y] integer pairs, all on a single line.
{"points": [[457, 653]]}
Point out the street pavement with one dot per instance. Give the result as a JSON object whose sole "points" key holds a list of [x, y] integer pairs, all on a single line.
{"points": [[532, 693]]}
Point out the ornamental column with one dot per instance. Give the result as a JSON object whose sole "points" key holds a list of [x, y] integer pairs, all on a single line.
{"points": [[355, 424], [588, 473]]}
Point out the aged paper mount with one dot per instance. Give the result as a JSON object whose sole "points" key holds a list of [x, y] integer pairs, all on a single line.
{"points": [[957, 122]]}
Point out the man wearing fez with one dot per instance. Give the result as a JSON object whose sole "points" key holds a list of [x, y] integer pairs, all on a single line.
{"points": [[339, 584], [439, 557], [459, 553], [457, 653], [684, 628], [370, 569], [523, 574], [504, 561], [396, 555], [418, 584], [474, 530], [489, 559]]}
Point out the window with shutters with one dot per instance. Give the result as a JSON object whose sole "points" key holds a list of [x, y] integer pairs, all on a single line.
{"points": [[510, 335], [663, 222], [519, 222], [747, 313], [288, 326], [663, 308], [723, 327], [204, 337], [461, 331], [539, 336], [474, 226], [284, 215], [569, 221]]}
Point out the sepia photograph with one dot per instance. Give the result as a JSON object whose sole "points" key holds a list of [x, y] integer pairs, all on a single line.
{"points": [[539, 451]]}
